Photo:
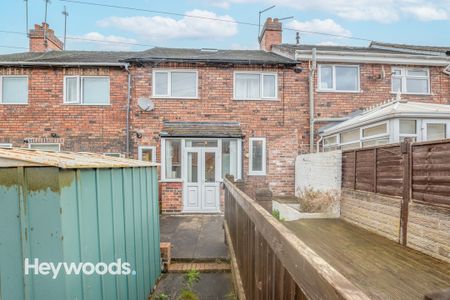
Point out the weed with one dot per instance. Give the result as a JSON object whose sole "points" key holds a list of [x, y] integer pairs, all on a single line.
{"points": [[276, 215], [314, 201]]}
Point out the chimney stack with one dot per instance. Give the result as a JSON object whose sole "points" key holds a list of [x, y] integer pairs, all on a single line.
{"points": [[39, 42], [271, 34]]}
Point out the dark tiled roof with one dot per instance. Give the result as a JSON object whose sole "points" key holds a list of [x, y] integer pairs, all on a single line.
{"points": [[210, 55], [67, 57], [202, 129], [151, 55]]}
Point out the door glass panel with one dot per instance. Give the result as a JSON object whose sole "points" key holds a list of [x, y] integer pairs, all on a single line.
{"points": [[229, 157], [201, 143], [210, 167], [192, 158], [436, 132]]}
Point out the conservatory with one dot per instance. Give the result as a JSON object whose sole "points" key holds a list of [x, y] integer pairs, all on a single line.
{"points": [[389, 123]]}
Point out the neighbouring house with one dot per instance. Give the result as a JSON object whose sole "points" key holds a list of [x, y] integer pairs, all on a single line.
{"points": [[203, 113], [389, 123]]}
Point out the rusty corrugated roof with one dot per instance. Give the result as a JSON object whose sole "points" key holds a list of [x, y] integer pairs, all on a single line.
{"points": [[65, 160], [202, 129]]}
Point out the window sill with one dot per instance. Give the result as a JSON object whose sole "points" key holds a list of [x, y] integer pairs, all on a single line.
{"points": [[341, 92], [174, 98], [171, 180], [2, 103], [257, 174], [412, 94], [89, 104], [257, 99]]}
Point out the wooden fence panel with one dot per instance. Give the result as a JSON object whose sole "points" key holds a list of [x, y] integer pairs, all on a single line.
{"points": [[382, 170], [274, 263], [431, 172]]}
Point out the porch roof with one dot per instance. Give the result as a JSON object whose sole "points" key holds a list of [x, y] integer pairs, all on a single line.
{"points": [[202, 129]]}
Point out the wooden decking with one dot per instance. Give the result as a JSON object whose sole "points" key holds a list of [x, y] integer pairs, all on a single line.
{"points": [[381, 268]]}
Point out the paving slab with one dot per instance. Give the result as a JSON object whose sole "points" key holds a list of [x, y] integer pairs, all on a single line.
{"points": [[212, 286], [194, 237]]}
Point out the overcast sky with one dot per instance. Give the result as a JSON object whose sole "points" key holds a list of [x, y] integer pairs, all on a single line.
{"points": [[400, 21]]}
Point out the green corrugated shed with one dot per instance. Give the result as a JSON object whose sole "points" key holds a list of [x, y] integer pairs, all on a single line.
{"points": [[77, 207]]}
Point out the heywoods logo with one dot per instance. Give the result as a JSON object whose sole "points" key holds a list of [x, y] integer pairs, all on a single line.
{"points": [[87, 268]]}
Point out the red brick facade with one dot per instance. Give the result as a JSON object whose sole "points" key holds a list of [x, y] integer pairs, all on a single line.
{"points": [[94, 128], [284, 122]]}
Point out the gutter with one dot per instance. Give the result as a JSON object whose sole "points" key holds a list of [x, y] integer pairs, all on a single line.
{"points": [[312, 72], [49, 64], [366, 57], [212, 61]]}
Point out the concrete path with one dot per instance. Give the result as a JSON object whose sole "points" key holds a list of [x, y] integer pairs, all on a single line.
{"points": [[194, 237], [212, 286]]}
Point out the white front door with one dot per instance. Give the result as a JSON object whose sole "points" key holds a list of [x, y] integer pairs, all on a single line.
{"points": [[201, 180]]}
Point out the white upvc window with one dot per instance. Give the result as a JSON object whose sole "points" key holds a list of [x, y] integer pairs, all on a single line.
{"points": [[179, 84], [171, 155], [375, 135], [257, 157], [350, 139], [147, 153], [255, 86], [339, 78], [14, 89], [86, 90], [5, 145], [45, 146], [331, 143], [411, 80], [407, 129]]}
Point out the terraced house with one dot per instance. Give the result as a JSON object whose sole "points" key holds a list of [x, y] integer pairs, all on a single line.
{"points": [[204, 113]]}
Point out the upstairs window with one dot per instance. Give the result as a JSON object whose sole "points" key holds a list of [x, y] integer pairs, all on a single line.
{"points": [[175, 84], [255, 86], [88, 90], [14, 90], [257, 159], [339, 78], [411, 80]]}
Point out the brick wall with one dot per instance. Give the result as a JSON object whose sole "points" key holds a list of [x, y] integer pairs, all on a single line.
{"points": [[78, 127], [376, 91], [278, 121], [374, 212], [172, 196]]}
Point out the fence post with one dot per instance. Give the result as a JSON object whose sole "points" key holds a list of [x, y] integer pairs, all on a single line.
{"points": [[354, 170], [375, 153], [405, 148], [264, 198]]}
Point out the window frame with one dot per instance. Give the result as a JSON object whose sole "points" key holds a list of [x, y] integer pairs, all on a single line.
{"points": [[402, 136], [333, 89], [80, 100], [251, 172], [152, 148], [169, 83], [261, 86], [405, 76], [53, 144], [335, 145], [1, 89], [6, 145], [164, 158]]}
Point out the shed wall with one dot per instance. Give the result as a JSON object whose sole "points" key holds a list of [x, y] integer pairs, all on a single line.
{"points": [[86, 215]]}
